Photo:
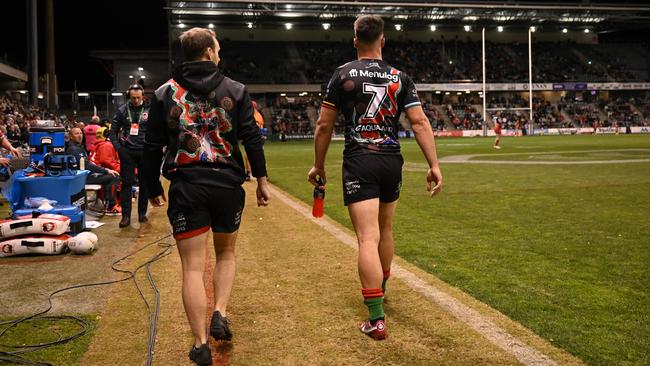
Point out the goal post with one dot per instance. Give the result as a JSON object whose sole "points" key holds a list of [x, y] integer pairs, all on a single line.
{"points": [[531, 123]]}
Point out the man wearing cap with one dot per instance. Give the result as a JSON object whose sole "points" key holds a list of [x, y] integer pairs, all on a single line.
{"points": [[106, 177], [127, 135], [89, 133], [105, 156]]}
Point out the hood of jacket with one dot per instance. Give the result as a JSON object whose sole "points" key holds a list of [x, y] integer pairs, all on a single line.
{"points": [[200, 77]]}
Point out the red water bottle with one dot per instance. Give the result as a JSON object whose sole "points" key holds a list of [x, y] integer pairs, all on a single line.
{"points": [[319, 200]]}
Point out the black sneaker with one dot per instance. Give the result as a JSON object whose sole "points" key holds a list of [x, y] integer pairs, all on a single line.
{"points": [[220, 327], [202, 355]]}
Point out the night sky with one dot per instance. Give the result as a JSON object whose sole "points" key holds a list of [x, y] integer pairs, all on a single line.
{"points": [[81, 27]]}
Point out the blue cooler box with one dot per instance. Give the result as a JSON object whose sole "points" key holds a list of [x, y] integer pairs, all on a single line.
{"points": [[43, 140], [67, 190], [76, 215]]}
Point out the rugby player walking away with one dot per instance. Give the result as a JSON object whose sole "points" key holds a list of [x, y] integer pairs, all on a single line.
{"points": [[497, 131], [371, 95], [199, 116]]}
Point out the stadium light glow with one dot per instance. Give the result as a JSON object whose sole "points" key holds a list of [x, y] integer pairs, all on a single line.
{"points": [[467, 28], [250, 25], [327, 15], [143, 77], [326, 26], [181, 25], [288, 26], [140, 68], [211, 26], [433, 28], [116, 94], [438, 91], [283, 94], [40, 95], [447, 93], [459, 93], [451, 62], [398, 27], [130, 76], [589, 62], [533, 29], [500, 28], [587, 30], [22, 91], [564, 30], [581, 19], [83, 94], [470, 18], [466, 91]]}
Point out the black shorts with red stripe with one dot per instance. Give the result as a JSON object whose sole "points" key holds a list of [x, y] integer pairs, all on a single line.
{"points": [[368, 176], [197, 208]]}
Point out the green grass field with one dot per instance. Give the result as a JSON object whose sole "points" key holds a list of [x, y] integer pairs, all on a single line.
{"points": [[563, 249], [44, 330]]}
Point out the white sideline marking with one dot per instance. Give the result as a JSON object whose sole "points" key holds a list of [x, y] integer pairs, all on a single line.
{"points": [[467, 159], [495, 334]]}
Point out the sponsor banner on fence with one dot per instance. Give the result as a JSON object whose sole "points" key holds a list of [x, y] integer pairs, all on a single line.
{"points": [[543, 131], [461, 87]]}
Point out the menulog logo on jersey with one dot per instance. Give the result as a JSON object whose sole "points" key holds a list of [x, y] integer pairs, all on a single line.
{"points": [[374, 74]]}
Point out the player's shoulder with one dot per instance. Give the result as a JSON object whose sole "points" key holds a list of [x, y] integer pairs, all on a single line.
{"points": [[233, 85], [345, 68]]}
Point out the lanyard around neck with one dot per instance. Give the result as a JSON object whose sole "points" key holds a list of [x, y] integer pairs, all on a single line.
{"points": [[129, 117]]}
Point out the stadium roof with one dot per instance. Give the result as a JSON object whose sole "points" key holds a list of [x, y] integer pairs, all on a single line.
{"points": [[604, 16]]}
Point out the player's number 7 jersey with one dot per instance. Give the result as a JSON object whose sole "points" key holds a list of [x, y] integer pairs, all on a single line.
{"points": [[371, 95]]}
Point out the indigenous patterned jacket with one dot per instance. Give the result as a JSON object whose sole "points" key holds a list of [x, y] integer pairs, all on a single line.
{"points": [[199, 115]]}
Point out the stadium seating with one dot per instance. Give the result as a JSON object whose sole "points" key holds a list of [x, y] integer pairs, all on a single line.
{"points": [[427, 62]]}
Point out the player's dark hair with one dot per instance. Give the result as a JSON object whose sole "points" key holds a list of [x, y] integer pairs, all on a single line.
{"points": [[368, 28], [194, 42]]}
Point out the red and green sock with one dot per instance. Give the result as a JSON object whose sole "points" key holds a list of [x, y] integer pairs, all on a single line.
{"points": [[373, 298], [383, 283]]}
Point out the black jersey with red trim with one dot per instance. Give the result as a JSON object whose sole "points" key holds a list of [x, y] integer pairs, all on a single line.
{"points": [[371, 95]]}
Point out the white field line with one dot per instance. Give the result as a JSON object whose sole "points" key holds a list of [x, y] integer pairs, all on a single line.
{"points": [[467, 159], [495, 334]]}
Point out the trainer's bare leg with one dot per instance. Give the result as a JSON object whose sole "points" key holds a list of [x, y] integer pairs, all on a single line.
{"points": [[224, 270], [192, 253], [386, 242], [365, 219]]}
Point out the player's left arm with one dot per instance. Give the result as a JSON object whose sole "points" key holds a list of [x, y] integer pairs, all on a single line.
{"points": [[423, 134], [424, 137]]}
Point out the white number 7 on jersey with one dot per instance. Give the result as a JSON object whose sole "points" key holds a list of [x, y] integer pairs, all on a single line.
{"points": [[378, 92]]}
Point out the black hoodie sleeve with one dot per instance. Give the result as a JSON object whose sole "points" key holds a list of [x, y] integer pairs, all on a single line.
{"points": [[116, 128], [251, 136], [155, 139]]}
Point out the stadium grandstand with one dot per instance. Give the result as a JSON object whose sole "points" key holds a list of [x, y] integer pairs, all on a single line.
{"points": [[535, 252], [586, 67], [578, 72]]}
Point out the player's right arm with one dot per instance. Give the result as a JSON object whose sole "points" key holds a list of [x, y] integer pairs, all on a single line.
{"points": [[424, 137], [322, 138], [324, 128]]}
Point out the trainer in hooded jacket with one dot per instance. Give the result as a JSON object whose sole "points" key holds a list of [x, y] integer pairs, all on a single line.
{"points": [[200, 102]]}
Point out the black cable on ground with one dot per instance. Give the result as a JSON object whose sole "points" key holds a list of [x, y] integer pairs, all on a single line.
{"points": [[16, 357]]}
